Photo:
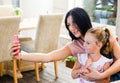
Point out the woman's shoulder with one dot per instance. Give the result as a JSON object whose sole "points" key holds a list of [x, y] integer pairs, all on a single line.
{"points": [[77, 42], [76, 46]]}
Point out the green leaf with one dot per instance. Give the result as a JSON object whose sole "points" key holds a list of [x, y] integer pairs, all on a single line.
{"points": [[70, 58]]}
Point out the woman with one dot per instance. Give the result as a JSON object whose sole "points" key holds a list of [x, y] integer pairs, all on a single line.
{"points": [[77, 23]]}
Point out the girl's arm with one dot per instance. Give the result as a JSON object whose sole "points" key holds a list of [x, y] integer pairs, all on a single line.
{"points": [[42, 57], [105, 80], [79, 69], [76, 70]]}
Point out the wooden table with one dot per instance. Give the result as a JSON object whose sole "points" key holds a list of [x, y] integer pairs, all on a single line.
{"points": [[28, 24]]}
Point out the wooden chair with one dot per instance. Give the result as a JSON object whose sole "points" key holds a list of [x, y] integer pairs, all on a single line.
{"points": [[46, 38], [8, 28]]}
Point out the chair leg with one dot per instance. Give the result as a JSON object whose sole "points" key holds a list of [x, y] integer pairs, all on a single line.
{"points": [[37, 71], [19, 75], [56, 69], [14, 71], [19, 65], [1, 68], [42, 66]]}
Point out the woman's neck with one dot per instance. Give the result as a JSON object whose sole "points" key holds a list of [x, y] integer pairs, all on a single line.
{"points": [[82, 38]]}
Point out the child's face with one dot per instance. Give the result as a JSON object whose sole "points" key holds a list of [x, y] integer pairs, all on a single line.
{"points": [[73, 27], [91, 44]]}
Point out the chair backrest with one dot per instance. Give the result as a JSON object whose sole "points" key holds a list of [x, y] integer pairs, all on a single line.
{"points": [[8, 28], [48, 32], [6, 10]]}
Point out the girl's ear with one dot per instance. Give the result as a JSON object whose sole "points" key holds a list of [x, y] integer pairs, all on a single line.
{"points": [[100, 44]]}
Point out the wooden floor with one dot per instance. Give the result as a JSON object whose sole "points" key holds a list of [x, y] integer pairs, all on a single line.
{"points": [[46, 76]]}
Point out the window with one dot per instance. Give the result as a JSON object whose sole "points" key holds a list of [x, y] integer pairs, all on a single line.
{"points": [[105, 11], [16, 3]]}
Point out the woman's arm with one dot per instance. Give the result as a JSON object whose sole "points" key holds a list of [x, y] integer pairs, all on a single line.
{"points": [[41, 57], [116, 48], [116, 65]]}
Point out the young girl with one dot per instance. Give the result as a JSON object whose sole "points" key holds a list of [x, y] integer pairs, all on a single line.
{"points": [[97, 47]]}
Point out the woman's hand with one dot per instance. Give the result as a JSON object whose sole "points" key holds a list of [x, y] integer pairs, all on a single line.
{"points": [[15, 49], [93, 75]]}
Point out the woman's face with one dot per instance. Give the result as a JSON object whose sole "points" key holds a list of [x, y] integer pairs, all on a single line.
{"points": [[91, 44], [73, 27]]}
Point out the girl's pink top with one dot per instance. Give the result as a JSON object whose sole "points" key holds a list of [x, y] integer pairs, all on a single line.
{"points": [[76, 47]]}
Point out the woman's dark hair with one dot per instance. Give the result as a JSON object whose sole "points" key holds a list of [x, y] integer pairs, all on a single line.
{"points": [[81, 19]]}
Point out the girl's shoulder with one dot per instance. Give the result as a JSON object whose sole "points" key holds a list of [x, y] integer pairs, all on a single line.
{"points": [[103, 58]]}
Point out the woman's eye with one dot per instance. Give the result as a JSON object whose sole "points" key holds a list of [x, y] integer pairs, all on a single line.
{"points": [[68, 25]]}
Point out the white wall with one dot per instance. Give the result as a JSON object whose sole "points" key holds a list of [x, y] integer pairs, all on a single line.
{"points": [[5, 2], [60, 6], [32, 8], [63, 6]]}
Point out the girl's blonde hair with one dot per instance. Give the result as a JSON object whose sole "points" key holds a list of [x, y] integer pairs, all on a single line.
{"points": [[102, 34]]}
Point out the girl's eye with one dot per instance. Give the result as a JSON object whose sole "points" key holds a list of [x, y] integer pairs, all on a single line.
{"points": [[87, 43]]}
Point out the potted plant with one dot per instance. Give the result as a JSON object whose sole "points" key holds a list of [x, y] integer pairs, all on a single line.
{"points": [[70, 61]]}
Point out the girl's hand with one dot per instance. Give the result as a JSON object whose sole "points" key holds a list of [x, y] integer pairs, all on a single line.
{"points": [[88, 62], [93, 75], [15, 49], [84, 70]]}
